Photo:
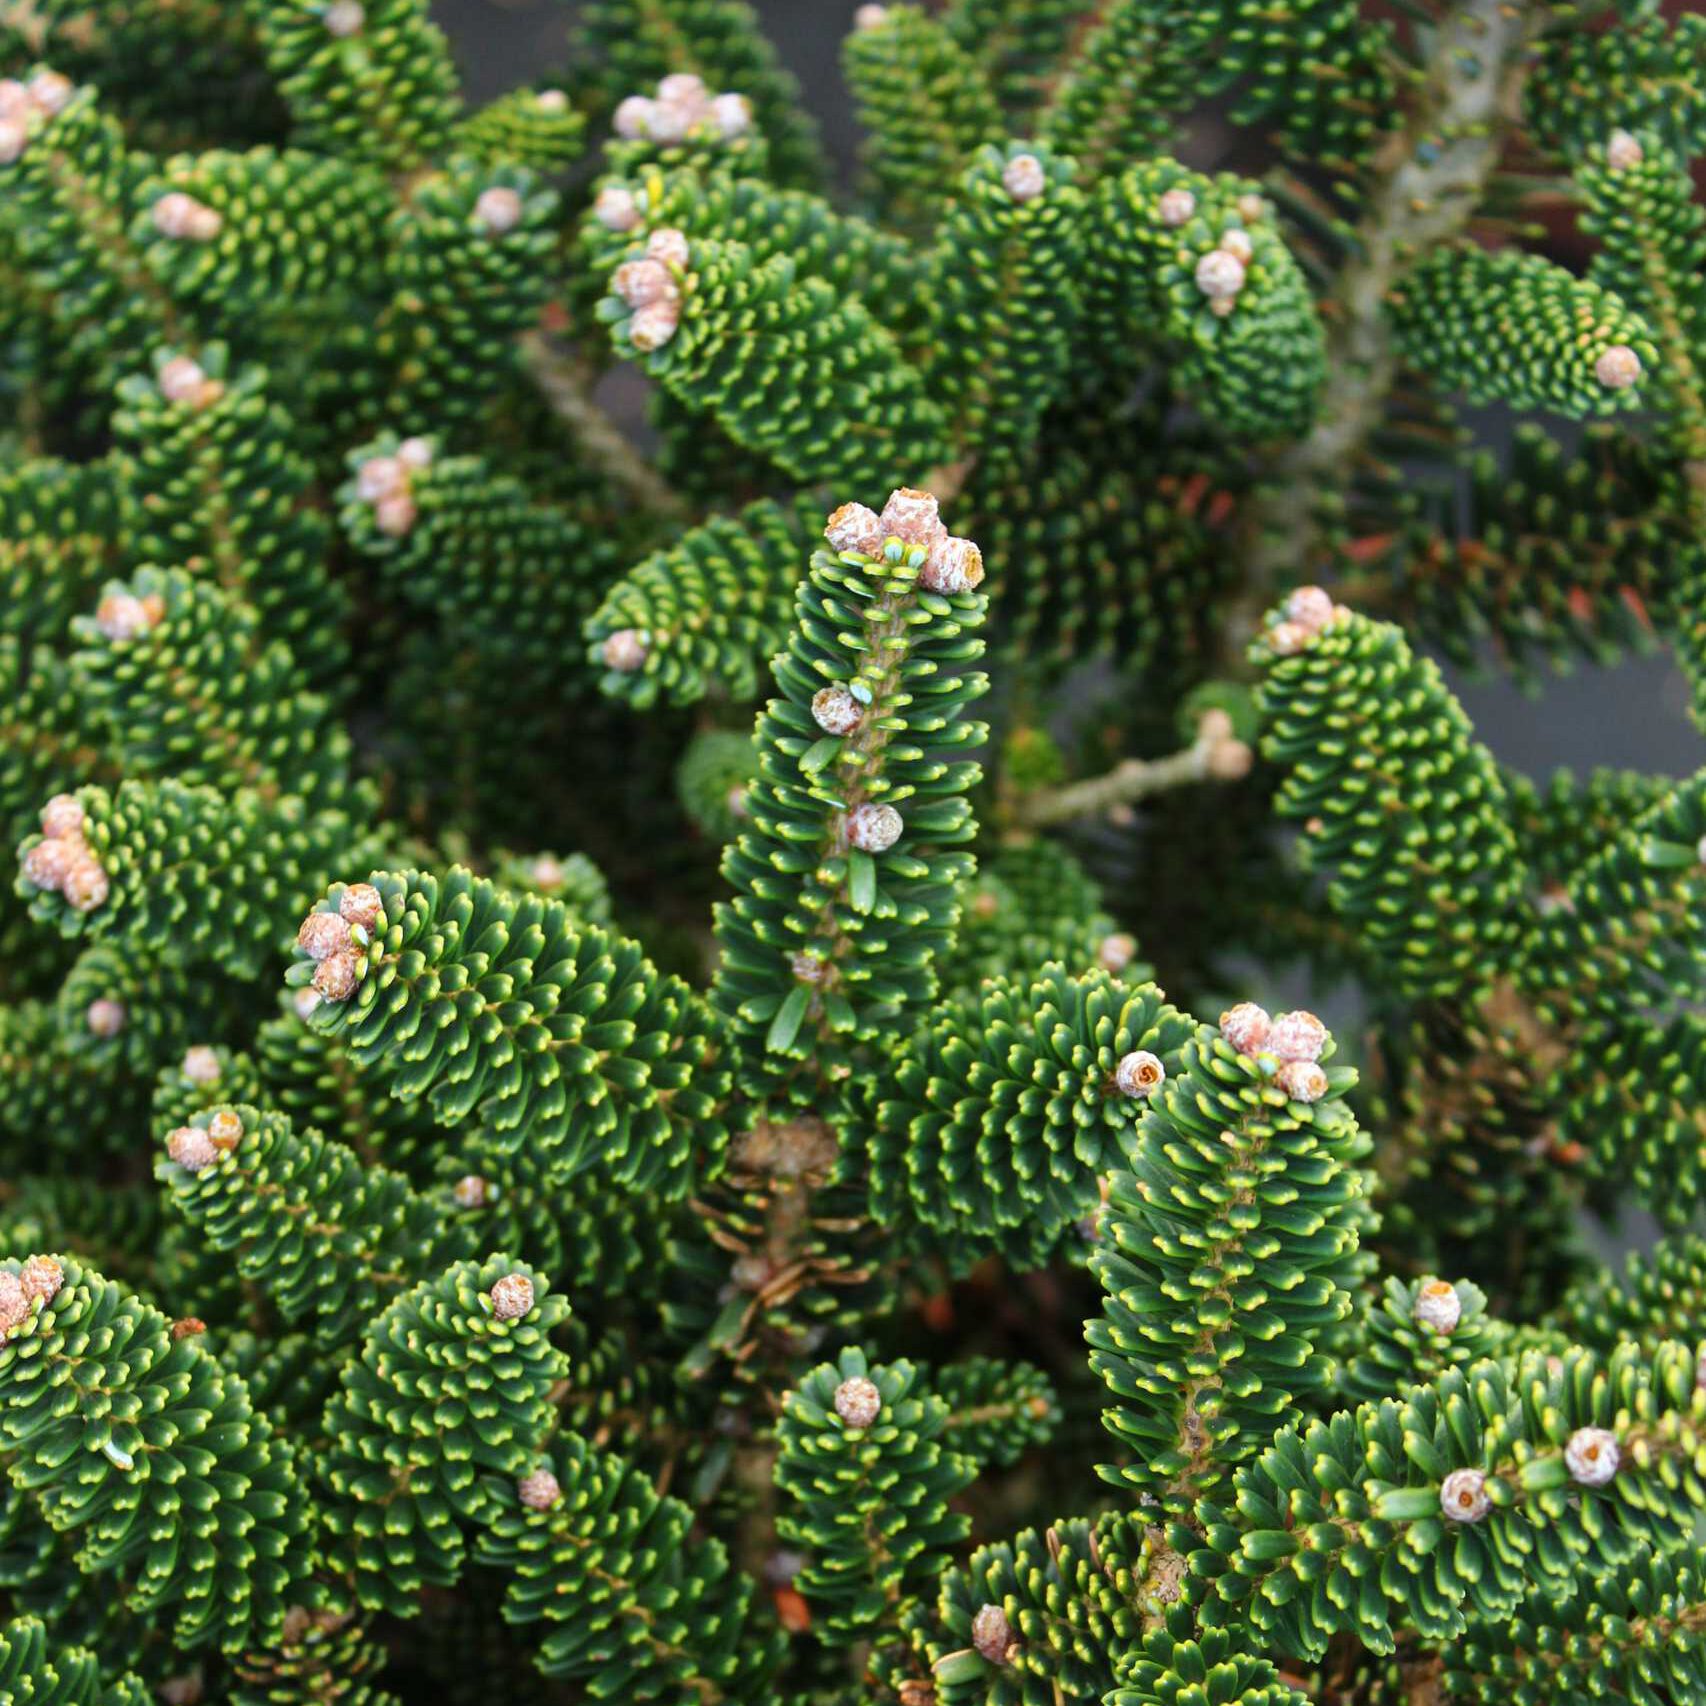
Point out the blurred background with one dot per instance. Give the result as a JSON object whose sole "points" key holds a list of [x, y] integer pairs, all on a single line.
{"points": [[1632, 715]]}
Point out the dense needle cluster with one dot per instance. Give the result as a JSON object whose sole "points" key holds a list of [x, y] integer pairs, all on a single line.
{"points": [[673, 1060]]}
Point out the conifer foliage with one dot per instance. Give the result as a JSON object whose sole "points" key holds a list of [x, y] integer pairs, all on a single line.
{"points": [[672, 802]]}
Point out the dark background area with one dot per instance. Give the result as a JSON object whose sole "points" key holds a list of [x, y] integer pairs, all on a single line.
{"points": [[1633, 715]]}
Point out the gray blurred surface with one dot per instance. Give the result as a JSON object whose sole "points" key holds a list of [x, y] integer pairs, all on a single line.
{"points": [[1632, 716]]}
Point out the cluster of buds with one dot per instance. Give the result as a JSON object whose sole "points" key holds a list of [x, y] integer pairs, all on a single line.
{"points": [[44, 95], [1293, 1043], [386, 482], [1225, 757], [182, 380], [335, 940], [122, 616], [1438, 1308], [37, 1281], [650, 285], [950, 565], [62, 862], [1305, 613], [194, 1147], [1617, 367], [1221, 273], [682, 107], [180, 216]]}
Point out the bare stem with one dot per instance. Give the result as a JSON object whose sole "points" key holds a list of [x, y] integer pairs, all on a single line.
{"points": [[1130, 780], [563, 385]]}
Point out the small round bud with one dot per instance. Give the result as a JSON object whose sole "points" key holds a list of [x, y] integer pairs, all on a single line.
{"points": [[1230, 760], [1297, 1036], [469, 1191], [683, 88], [1438, 1308], [1114, 953], [858, 1402], [1219, 275], [540, 1490], [14, 1304], [512, 1297], [181, 380], [652, 327], [1214, 726], [1617, 367], [85, 887], [49, 862], [1023, 177], [913, 516], [992, 1634], [201, 1065], [415, 452], [323, 934], [41, 1277], [546, 872], [498, 209], [870, 17], [634, 117], [1221, 306], [1463, 1496], [225, 1127], [1592, 1456], [954, 565], [835, 710], [14, 99], [625, 650], [395, 516], [616, 209], [1622, 151], [51, 90], [1246, 1027], [335, 977], [62, 815], [1287, 639], [641, 283], [669, 245], [379, 477], [1251, 207], [120, 616], [13, 138], [1302, 1080], [305, 1000], [191, 1148], [732, 115], [344, 18], [188, 1327], [178, 215], [551, 101], [1139, 1073], [360, 905], [1176, 206], [874, 828], [1309, 607], [1235, 241], [855, 528], [105, 1017]]}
